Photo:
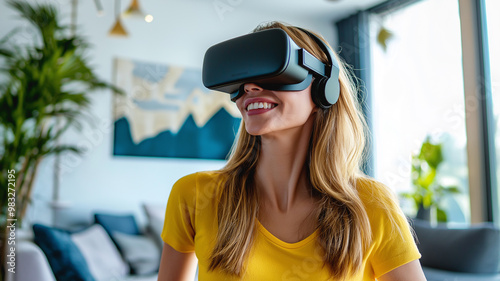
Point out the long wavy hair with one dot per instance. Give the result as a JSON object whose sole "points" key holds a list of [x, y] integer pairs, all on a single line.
{"points": [[335, 154]]}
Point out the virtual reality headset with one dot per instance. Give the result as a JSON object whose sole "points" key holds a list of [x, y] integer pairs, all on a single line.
{"points": [[272, 60]]}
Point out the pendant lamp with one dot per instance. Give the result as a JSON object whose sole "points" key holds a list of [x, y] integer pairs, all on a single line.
{"points": [[118, 29], [134, 11]]}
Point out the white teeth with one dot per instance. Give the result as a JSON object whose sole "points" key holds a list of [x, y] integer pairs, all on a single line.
{"points": [[259, 105]]}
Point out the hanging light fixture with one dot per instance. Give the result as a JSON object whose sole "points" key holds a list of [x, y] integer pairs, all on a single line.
{"points": [[134, 11], [98, 6], [118, 29]]}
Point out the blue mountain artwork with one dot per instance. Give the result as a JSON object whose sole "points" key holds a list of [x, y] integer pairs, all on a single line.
{"points": [[212, 141]]}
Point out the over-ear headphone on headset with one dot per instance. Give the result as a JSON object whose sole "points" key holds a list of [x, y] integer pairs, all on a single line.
{"points": [[325, 89], [272, 60]]}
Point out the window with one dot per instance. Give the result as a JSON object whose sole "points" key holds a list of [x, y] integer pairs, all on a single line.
{"points": [[493, 27], [417, 92]]}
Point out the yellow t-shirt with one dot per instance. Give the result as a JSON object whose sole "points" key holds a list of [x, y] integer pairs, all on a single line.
{"points": [[191, 226]]}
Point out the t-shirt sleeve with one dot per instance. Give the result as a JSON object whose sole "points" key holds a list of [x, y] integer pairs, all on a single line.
{"points": [[179, 226], [393, 240], [396, 248]]}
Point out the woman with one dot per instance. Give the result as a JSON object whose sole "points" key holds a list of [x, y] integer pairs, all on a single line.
{"points": [[291, 203]]}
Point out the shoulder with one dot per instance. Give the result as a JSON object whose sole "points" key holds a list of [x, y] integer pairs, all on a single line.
{"points": [[199, 178], [381, 205], [375, 194], [192, 185], [392, 242]]}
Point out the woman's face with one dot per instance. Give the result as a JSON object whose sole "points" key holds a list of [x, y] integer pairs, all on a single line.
{"points": [[266, 112]]}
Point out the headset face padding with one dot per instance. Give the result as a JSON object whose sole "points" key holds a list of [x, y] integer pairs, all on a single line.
{"points": [[272, 60]]}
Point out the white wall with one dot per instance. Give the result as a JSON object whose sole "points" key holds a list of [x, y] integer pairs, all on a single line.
{"points": [[179, 35]]}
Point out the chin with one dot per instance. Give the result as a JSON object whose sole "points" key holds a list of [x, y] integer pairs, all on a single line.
{"points": [[257, 131], [254, 133], [256, 128]]}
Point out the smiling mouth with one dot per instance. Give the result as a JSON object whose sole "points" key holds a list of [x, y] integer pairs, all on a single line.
{"points": [[260, 105]]}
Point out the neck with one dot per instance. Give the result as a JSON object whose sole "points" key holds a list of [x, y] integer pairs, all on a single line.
{"points": [[281, 174]]}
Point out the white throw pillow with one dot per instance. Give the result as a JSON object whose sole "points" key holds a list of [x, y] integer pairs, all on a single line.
{"points": [[100, 253], [155, 210], [139, 251]]}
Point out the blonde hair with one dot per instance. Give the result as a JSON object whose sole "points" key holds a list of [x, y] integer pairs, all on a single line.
{"points": [[333, 165]]}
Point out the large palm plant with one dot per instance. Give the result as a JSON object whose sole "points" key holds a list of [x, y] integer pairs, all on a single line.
{"points": [[39, 84]]}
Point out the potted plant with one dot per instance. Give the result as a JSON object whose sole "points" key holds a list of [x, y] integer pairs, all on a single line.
{"points": [[44, 89], [428, 192]]}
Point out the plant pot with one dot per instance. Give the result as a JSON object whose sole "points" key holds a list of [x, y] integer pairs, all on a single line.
{"points": [[424, 213]]}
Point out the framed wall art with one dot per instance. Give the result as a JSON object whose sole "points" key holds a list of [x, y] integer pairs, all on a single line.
{"points": [[167, 112]]}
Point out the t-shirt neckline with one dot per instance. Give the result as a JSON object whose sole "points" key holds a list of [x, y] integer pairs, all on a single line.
{"points": [[284, 244]]}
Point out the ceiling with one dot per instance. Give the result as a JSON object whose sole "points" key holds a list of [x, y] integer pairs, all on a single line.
{"points": [[320, 9]]}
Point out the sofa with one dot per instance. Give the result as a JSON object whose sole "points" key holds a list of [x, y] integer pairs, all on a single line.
{"points": [[112, 248], [32, 265], [107, 251], [469, 253]]}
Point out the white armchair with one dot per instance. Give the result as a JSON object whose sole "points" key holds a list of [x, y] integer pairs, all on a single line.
{"points": [[31, 263]]}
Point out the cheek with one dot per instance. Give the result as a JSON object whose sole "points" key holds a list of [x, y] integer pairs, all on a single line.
{"points": [[239, 105], [302, 108], [238, 102], [300, 102], [302, 114]]}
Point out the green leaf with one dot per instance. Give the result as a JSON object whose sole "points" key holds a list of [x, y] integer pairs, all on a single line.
{"points": [[431, 153], [427, 179], [383, 37], [427, 200], [441, 215], [452, 190]]}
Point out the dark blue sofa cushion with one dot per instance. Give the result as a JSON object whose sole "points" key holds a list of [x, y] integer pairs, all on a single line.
{"points": [[475, 249], [120, 223], [117, 223], [65, 259]]}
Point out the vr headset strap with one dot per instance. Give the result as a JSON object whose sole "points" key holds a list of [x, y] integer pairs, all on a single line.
{"points": [[311, 63]]}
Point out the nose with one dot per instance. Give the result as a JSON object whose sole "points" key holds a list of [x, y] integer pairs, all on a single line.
{"points": [[252, 87]]}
